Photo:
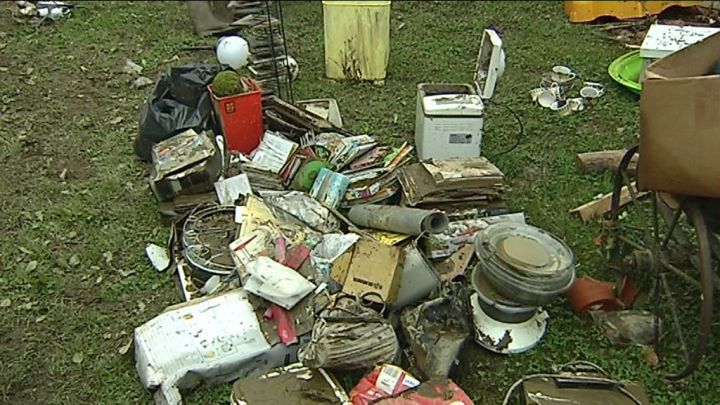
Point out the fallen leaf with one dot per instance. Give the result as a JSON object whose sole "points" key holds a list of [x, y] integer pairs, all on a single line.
{"points": [[650, 356], [40, 318], [107, 335], [83, 69], [125, 348], [26, 306], [74, 260], [31, 265], [116, 120], [141, 306], [175, 58], [128, 273], [99, 280], [5, 303], [132, 68], [63, 175], [78, 358]]}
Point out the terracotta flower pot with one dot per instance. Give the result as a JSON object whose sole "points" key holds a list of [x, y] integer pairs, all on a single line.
{"points": [[590, 294]]}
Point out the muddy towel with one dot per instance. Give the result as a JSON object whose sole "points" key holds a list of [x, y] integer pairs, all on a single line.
{"points": [[350, 336]]}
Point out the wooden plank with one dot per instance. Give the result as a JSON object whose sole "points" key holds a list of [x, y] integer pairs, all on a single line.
{"points": [[601, 206], [604, 160]]}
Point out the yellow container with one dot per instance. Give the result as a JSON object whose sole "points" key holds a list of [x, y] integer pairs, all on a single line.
{"points": [[584, 11], [357, 39]]}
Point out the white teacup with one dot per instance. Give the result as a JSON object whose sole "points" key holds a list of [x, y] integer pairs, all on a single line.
{"points": [[535, 93], [592, 90], [546, 98], [561, 106], [576, 104], [562, 74]]}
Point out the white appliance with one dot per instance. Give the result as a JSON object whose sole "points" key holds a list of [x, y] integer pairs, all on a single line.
{"points": [[449, 117]]}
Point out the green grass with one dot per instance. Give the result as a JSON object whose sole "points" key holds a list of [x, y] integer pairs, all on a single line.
{"points": [[58, 116]]}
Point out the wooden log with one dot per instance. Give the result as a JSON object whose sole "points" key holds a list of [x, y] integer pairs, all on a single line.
{"points": [[601, 206], [605, 160]]}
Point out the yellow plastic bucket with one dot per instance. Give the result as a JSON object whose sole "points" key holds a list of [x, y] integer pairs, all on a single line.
{"points": [[357, 39]]}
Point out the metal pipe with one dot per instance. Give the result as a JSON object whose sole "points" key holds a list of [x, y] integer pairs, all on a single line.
{"points": [[409, 221]]}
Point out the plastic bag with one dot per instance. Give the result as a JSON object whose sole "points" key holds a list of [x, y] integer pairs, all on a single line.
{"points": [[304, 208], [326, 252], [437, 391], [626, 327], [383, 382], [179, 101], [391, 385]]}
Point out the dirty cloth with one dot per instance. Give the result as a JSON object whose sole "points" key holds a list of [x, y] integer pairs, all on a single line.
{"points": [[350, 336]]}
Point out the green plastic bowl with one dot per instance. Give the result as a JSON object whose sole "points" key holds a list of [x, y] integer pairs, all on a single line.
{"points": [[626, 71]]}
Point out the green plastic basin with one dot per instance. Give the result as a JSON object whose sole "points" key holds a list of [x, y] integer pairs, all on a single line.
{"points": [[626, 71]]}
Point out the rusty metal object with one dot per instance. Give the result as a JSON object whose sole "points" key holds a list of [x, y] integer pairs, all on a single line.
{"points": [[661, 249], [706, 281], [207, 233]]}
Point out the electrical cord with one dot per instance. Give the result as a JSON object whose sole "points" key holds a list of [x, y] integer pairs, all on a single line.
{"points": [[520, 134]]}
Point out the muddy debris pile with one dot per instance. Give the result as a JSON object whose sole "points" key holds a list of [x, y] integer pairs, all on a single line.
{"points": [[305, 254]]}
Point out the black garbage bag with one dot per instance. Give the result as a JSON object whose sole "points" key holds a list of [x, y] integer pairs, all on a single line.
{"points": [[179, 101]]}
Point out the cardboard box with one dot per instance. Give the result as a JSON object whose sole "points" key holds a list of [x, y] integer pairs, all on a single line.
{"points": [[680, 122], [373, 268], [341, 266]]}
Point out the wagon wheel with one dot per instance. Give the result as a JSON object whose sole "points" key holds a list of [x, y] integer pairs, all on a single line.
{"points": [[661, 247]]}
